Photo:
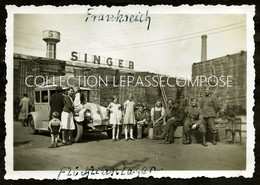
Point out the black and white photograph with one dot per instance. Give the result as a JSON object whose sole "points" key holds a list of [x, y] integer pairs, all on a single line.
{"points": [[125, 92]]}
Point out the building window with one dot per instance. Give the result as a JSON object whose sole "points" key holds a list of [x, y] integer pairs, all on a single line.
{"points": [[37, 96], [45, 96]]}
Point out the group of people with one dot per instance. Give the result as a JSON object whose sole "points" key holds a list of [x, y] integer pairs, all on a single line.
{"points": [[116, 117], [63, 106], [199, 116]]}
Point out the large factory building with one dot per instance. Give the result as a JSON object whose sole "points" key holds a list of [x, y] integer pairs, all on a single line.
{"points": [[25, 65]]}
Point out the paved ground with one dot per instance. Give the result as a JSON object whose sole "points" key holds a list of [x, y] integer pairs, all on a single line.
{"points": [[31, 152]]}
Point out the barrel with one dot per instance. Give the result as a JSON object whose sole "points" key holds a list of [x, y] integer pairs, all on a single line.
{"points": [[150, 133], [139, 132]]}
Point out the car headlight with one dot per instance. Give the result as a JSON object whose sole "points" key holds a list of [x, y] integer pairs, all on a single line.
{"points": [[87, 114]]}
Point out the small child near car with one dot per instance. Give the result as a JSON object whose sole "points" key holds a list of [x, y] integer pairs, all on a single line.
{"points": [[55, 128]]}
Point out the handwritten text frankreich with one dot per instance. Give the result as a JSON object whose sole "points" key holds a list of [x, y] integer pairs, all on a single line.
{"points": [[119, 17]]}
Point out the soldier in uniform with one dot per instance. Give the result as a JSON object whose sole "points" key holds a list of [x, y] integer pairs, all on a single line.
{"points": [[142, 118], [169, 111], [173, 121], [194, 121], [209, 106]]}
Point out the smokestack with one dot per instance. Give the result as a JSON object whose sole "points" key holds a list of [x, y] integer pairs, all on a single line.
{"points": [[51, 38], [204, 48]]}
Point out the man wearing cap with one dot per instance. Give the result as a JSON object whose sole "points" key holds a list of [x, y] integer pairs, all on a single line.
{"points": [[172, 123], [209, 106], [194, 121], [169, 111]]}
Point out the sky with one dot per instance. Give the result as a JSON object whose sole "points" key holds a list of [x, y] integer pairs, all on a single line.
{"points": [[170, 46]]}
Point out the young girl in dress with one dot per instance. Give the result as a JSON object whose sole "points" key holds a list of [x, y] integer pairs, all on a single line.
{"points": [[129, 119], [54, 128], [115, 117]]}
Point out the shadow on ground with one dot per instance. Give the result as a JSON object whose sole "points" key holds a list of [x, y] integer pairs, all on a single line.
{"points": [[87, 137], [94, 136], [16, 144]]}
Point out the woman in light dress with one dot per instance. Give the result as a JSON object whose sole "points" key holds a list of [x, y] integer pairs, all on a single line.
{"points": [[115, 117], [129, 119], [67, 117]]}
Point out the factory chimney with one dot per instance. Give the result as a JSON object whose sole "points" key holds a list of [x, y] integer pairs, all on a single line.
{"points": [[204, 48], [51, 38]]}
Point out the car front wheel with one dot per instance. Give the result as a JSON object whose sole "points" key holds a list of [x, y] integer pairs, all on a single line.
{"points": [[78, 133], [31, 126]]}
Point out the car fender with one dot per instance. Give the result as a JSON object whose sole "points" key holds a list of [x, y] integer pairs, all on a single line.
{"points": [[103, 112], [80, 116], [36, 117], [98, 113], [96, 118]]}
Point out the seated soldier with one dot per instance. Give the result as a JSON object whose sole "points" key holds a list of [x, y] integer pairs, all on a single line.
{"points": [[194, 121], [142, 118], [173, 121]]}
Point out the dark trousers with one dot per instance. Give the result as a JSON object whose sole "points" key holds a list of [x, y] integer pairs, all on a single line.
{"points": [[167, 127], [188, 124], [210, 122], [158, 129], [170, 128], [172, 132]]}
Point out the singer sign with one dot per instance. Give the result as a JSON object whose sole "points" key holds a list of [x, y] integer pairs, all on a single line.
{"points": [[99, 60]]}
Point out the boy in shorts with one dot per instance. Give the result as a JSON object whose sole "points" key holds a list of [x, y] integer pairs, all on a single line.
{"points": [[54, 128]]}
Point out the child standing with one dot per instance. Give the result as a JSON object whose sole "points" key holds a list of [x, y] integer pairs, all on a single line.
{"points": [[54, 128], [115, 117], [129, 119]]}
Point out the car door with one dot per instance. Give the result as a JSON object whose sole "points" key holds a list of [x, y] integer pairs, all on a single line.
{"points": [[44, 108]]}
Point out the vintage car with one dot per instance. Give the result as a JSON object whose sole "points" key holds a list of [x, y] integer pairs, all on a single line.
{"points": [[90, 118]]}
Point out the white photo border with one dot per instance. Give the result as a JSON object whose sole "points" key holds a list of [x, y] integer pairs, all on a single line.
{"points": [[162, 9]]}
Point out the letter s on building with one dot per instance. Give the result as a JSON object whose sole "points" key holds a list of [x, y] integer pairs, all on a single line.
{"points": [[50, 33], [74, 56]]}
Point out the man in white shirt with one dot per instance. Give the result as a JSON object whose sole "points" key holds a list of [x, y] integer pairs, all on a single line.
{"points": [[158, 118]]}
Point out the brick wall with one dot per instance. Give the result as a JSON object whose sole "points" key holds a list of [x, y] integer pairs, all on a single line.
{"points": [[234, 65], [103, 95], [25, 65]]}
